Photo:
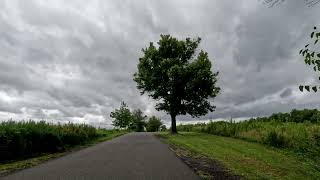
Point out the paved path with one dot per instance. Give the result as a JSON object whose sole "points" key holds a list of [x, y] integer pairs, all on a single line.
{"points": [[132, 156]]}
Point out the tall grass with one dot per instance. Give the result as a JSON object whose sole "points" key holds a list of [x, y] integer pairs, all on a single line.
{"points": [[28, 138], [301, 136]]}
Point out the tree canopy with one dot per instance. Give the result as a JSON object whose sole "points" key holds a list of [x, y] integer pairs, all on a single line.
{"points": [[153, 124], [122, 116], [137, 121], [178, 77]]}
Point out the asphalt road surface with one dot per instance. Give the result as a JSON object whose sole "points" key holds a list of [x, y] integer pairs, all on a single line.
{"points": [[131, 156]]}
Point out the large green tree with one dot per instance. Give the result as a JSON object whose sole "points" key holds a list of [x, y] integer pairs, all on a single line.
{"points": [[178, 77]]}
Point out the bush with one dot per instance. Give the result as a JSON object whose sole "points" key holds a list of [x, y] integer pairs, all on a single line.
{"points": [[24, 139], [275, 139], [163, 128]]}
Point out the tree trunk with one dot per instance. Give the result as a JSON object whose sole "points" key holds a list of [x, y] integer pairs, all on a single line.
{"points": [[173, 124]]}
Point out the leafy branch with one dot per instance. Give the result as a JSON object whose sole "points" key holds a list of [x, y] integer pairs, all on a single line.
{"points": [[311, 58]]}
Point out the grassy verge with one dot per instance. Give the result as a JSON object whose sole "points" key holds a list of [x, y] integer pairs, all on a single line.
{"points": [[247, 159], [303, 138], [15, 165]]}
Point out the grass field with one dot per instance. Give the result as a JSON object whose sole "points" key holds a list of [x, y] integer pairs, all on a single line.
{"points": [[297, 131], [248, 159]]}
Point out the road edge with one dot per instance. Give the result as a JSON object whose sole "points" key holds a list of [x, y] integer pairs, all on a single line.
{"points": [[15, 166]]}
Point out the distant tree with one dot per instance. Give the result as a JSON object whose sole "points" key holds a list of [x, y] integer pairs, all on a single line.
{"points": [[122, 116], [178, 78], [163, 128], [153, 124], [138, 121], [311, 58]]}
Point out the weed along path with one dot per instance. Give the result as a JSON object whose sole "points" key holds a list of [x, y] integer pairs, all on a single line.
{"points": [[131, 156]]}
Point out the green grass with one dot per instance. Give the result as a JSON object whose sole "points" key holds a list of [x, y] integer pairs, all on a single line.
{"points": [[248, 159], [302, 138], [105, 135], [14, 165]]}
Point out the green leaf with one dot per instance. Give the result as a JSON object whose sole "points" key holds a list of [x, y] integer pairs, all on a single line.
{"points": [[315, 68], [308, 62], [300, 51], [315, 42], [315, 28], [314, 88], [308, 55], [301, 87], [307, 88], [312, 54], [318, 55], [312, 34], [306, 45]]}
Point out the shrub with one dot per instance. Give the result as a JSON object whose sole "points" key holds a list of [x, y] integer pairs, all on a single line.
{"points": [[275, 139], [28, 138], [163, 128]]}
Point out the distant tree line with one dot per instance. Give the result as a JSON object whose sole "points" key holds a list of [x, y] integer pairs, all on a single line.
{"points": [[298, 116], [135, 120], [230, 128], [311, 116]]}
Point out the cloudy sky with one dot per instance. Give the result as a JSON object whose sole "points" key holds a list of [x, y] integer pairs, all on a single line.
{"points": [[74, 60]]}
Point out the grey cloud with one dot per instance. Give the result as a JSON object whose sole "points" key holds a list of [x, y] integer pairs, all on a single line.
{"points": [[286, 93], [79, 58]]}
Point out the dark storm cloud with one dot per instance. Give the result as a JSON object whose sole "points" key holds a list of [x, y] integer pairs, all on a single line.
{"points": [[74, 60]]}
